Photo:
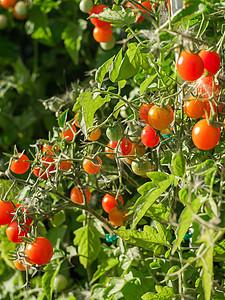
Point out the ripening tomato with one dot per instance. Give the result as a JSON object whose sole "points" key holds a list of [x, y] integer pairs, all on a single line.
{"points": [[65, 165], [23, 264], [111, 144], [3, 22], [117, 217], [135, 147], [20, 10], [20, 165], [60, 282], [14, 232], [86, 5], [190, 66], [125, 146], [97, 9], [92, 167], [149, 137], [141, 168], [95, 135], [108, 202], [114, 133], [6, 211], [206, 85], [160, 117], [143, 112], [108, 45], [102, 35], [77, 197], [205, 136], [46, 168], [49, 149], [68, 134], [8, 3], [75, 120], [194, 108], [39, 252], [211, 61]]}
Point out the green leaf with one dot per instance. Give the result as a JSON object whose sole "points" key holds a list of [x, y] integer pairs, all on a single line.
{"points": [[204, 167], [145, 84], [158, 212], [185, 221], [72, 36], [153, 192], [89, 245], [148, 238], [100, 74], [178, 164], [103, 268], [118, 16], [164, 293], [6, 247], [114, 72], [157, 176], [47, 5], [59, 218], [49, 277], [22, 77], [63, 118]]}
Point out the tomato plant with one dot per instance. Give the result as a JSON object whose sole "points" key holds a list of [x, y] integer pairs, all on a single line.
{"points": [[60, 283], [211, 60], [141, 168], [114, 133], [108, 202], [14, 232], [40, 251], [20, 165], [117, 217], [69, 133], [108, 45], [160, 117], [92, 167], [207, 87], [190, 66], [194, 108], [149, 137], [102, 35], [97, 9], [49, 149], [205, 136], [143, 112], [125, 146], [46, 169], [109, 149], [65, 165], [95, 135], [6, 209], [135, 148], [77, 197]]}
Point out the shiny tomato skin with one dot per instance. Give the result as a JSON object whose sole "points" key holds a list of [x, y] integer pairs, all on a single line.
{"points": [[190, 66], [21, 265], [108, 202], [208, 109], [125, 146], [117, 217], [21, 165], [205, 136], [141, 168], [211, 61], [205, 86], [114, 133], [143, 112], [111, 144], [8, 3], [6, 211], [40, 251], [95, 135], [90, 167], [102, 35], [160, 117], [77, 197], [149, 137], [47, 160], [147, 4], [97, 9], [194, 108], [68, 134], [14, 233], [65, 165]]}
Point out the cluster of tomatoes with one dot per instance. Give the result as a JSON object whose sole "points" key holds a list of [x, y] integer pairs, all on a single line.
{"points": [[190, 67], [20, 11], [38, 252]]}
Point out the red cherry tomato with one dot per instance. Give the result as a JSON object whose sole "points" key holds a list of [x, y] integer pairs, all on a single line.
{"points": [[147, 4], [102, 35], [39, 252], [211, 61], [14, 232], [205, 86], [20, 165], [205, 136], [143, 112], [190, 66], [149, 137], [108, 202], [49, 149], [208, 109], [47, 168], [160, 117], [77, 197], [90, 167], [6, 211], [98, 23], [194, 108], [139, 149], [8, 3], [68, 134], [125, 146], [117, 217], [111, 144]]}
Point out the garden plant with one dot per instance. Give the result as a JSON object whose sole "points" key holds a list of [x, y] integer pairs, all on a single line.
{"points": [[112, 149]]}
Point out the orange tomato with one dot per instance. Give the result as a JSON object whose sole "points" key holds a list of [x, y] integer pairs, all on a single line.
{"points": [[68, 134], [90, 167], [77, 197]]}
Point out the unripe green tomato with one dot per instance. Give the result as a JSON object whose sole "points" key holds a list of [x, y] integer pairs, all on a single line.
{"points": [[125, 112], [3, 22], [21, 9], [60, 283], [141, 168], [134, 134], [114, 133], [109, 45], [86, 5]]}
